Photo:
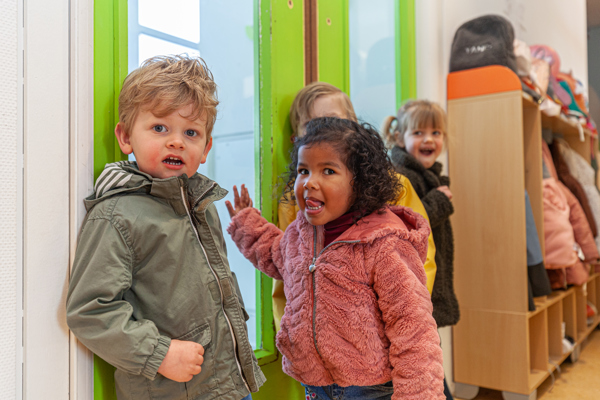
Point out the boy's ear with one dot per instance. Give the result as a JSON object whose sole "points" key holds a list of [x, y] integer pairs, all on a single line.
{"points": [[123, 139], [206, 150]]}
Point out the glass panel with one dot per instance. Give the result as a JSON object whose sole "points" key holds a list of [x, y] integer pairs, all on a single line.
{"points": [[372, 59], [178, 18], [150, 46], [229, 55]]}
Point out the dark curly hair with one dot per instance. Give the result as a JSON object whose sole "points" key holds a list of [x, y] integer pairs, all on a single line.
{"points": [[375, 182]]}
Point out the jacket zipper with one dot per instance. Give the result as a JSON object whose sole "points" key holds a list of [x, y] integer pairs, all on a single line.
{"points": [[311, 268], [183, 197]]}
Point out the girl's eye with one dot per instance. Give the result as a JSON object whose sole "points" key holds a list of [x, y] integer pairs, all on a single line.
{"points": [[191, 133], [329, 171], [302, 171], [417, 133], [159, 128], [437, 133]]}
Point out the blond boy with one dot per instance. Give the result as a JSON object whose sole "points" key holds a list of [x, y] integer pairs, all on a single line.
{"points": [[151, 290]]}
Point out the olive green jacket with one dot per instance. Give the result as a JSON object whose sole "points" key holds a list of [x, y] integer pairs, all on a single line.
{"points": [[151, 266]]}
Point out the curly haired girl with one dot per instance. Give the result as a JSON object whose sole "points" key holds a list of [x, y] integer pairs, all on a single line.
{"points": [[358, 320]]}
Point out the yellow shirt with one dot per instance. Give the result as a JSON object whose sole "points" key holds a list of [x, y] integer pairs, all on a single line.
{"points": [[288, 210]]}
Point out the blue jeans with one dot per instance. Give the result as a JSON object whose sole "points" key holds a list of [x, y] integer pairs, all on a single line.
{"points": [[249, 397], [336, 392]]}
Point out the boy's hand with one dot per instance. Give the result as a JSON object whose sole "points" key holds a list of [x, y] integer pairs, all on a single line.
{"points": [[241, 202], [183, 361], [446, 190]]}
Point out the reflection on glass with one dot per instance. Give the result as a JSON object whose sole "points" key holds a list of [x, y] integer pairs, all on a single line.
{"points": [[179, 18], [372, 59], [224, 39]]}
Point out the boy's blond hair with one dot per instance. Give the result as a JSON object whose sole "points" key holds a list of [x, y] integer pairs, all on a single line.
{"points": [[414, 114], [164, 84], [305, 99]]}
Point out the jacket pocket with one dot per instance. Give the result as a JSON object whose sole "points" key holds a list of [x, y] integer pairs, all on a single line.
{"points": [[161, 388], [205, 380]]}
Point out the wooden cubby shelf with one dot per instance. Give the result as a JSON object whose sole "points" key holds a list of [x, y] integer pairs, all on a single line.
{"points": [[494, 156]]}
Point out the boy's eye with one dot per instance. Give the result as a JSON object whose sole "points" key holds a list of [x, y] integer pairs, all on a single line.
{"points": [[329, 171], [159, 128], [191, 133], [302, 171]]}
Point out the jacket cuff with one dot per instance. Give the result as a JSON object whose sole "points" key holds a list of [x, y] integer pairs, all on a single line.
{"points": [[155, 360], [240, 219], [443, 206]]}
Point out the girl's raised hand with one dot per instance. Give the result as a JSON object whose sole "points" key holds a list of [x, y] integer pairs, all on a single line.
{"points": [[241, 202]]}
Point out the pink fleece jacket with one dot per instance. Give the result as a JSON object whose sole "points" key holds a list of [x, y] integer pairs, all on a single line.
{"points": [[358, 311]]}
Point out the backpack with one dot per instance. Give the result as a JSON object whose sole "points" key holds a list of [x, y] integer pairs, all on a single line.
{"points": [[483, 41]]}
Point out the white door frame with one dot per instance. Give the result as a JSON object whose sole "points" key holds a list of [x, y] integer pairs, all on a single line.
{"points": [[81, 167], [58, 162]]}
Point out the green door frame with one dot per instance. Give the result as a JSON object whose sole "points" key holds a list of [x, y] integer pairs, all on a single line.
{"points": [[406, 55], [110, 69]]}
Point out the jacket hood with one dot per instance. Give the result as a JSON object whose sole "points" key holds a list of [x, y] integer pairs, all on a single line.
{"points": [[394, 220], [125, 176]]}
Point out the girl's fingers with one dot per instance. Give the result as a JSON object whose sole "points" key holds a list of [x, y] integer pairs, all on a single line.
{"points": [[236, 197], [245, 199], [241, 200], [246, 195], [230, 208]]}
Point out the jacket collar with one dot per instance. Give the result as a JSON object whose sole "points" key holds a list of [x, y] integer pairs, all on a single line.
{"points": [[401, 157], [395, 220], [125, 176]]}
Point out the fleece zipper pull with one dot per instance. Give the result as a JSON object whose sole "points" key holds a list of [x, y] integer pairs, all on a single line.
{"points": [[312, 266]]}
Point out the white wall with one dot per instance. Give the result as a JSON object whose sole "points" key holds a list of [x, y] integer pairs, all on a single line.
{"points": [[557, 23], [9, 184]]}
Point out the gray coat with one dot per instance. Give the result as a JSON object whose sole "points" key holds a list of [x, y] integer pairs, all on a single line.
{"points": [[439, 208], [151, 266]]}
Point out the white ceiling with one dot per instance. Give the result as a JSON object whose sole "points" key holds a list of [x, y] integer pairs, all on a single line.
{"points": [[593, 13]]}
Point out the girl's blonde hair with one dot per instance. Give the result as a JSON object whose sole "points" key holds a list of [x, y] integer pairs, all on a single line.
{"points": [[305, 99], [414, 114]]}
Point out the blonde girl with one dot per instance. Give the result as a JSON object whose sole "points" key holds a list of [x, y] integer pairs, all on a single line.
{"points": [[416, 137]]}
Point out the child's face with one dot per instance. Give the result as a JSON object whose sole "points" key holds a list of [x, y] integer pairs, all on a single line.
{"points": [[424, 144], [169, 146], [331, 105], [323, 186]]}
